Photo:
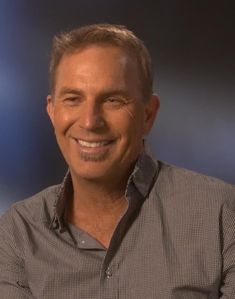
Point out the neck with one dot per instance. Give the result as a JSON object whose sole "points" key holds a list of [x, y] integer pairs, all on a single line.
{"points": [[96, 208], [97, 198], [98, 190]]}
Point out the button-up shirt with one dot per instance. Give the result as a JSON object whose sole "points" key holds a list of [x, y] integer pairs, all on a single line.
{"points": [[176, 240]]}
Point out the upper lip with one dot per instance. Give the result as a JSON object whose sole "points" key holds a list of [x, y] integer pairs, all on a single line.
{"points": [[94, 140]]}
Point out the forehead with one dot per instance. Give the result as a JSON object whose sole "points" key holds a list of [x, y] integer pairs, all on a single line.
{"points": [[97, 62], [95, 57]]}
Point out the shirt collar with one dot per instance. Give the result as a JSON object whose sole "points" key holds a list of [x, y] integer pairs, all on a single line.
{"points": [[64, 190], [144, 173], [142, 178]]}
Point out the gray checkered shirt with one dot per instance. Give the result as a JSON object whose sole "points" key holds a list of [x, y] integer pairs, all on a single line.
{"points": [[176, 241]]}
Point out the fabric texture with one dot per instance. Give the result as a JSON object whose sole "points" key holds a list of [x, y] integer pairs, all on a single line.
{"points": [[175, 241]]}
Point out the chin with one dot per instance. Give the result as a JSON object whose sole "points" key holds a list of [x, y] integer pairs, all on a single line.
{"points": [[90, 173]]}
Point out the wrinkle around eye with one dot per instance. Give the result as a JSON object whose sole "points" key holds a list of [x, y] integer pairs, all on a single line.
{"points": [[129, 112], [117, 102], [73, 100]]}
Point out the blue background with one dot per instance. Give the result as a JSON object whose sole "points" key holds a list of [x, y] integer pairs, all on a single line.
{"points": [[193, 48]]}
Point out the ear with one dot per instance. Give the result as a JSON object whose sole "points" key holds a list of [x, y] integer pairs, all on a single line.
{"points": [[151, 109], [50, 108]]}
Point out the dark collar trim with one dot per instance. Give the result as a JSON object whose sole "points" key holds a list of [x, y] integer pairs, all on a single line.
{"points": [[60, 202]]}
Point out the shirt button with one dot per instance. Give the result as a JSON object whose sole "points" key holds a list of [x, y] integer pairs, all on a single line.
{"points": [[108, 272]]}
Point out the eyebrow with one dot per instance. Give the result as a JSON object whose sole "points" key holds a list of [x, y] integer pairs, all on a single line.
{"points": [[77, 91], [70, 90]]}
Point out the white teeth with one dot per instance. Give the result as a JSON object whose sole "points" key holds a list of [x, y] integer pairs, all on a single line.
{"points": [[92, 144]]}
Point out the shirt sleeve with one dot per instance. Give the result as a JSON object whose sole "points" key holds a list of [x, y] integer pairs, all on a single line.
{"points": [[228, 251], [13, 283]]}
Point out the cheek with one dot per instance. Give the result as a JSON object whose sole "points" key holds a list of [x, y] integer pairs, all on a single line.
{"points": [[136, 120], [131, 123], [63, 120]]}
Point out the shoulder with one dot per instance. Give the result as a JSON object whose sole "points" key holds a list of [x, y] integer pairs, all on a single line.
{"points": [[38, 207], [176, 181]]}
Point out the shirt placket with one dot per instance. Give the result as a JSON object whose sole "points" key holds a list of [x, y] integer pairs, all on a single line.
{"points": [[109, 281]]}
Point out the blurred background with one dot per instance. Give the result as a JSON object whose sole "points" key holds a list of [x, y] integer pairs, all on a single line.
{"points": [[193, 48]]}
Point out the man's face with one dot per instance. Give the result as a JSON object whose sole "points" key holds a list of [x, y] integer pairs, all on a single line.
{"points": [[98, 113]]}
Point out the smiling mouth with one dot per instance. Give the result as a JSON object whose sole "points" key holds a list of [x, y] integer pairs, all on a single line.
{"points": [[93, 144]]}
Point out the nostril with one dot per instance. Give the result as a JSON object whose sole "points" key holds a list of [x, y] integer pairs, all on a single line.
{"points": [[92, 121]]}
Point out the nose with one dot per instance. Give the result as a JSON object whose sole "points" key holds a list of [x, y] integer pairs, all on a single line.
{"points": [[91, 117]]}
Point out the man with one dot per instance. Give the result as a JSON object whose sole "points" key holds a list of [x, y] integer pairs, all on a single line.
{"points": [[121, 225]]}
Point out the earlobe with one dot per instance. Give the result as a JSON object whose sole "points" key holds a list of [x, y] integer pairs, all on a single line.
{"points": [[50, 108], [150, 113]]}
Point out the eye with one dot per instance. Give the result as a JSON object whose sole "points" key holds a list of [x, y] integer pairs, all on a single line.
{"points": [[72, 100], [116, 101]]}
